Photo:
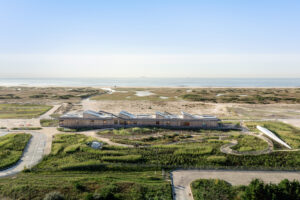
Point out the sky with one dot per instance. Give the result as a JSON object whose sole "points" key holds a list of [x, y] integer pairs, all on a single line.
{"points": [[157, 38]]}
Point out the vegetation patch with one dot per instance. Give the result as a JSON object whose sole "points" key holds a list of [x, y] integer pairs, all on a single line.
{"points": [[11, 148], [49, 122], [249, 143], [288, 133], [212, 189], [8, 111], [26, 128]]}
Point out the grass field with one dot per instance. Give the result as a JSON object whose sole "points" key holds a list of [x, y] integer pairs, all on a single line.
{"points": [[249, 143], [108, 185], [14, 111], [288, 133], [214, 189], [11, 148]]}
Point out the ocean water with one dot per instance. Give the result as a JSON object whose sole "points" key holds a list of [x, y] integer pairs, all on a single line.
{"points": [[153, 82]]}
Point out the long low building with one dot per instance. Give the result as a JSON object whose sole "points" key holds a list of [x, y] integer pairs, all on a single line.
{"points": [[102, 119]]}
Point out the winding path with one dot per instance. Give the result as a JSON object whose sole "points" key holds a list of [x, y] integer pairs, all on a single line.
{"points": [[32, 154], [226, 148]]}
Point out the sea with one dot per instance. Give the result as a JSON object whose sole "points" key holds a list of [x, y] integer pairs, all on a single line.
{"points": [[152, 82]]}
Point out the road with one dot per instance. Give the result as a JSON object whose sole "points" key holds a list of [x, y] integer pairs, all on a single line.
{"points": [[32, 154], [183, 178]]}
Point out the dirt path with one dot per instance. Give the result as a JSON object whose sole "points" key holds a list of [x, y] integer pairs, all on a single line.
{"points": [[183, 178], [32, 154]]}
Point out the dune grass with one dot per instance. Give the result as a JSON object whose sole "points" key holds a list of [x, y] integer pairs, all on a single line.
{"points": [[26, 111], [249, 143], [288, 133], [11, 148]]}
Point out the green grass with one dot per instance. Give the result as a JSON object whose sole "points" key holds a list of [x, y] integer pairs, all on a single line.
{"points": [[288, 133], [49, 122], [214, 189], [249, 143], [11, 111], [26, 128], [109, 185], [11, 148], [128, 131]]}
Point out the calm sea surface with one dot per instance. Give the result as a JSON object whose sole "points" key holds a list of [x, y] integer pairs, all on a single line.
{"points": [[154, 82]]}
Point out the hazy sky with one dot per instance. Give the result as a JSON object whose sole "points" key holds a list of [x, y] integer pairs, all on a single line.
{"points": [[155, 38]]}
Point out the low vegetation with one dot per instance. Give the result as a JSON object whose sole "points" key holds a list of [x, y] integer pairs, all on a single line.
{"points": [[213, 189], [288, 133], [49, 122], [249, 143], [42, 95], [8, 111], [129, 131], [26, 128], [215, 95], [11, 148]]}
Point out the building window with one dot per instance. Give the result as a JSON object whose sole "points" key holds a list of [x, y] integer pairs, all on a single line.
{"points": [[168, 123], [104, 122], [92, 121], [186, 123], [116, 122], [157, 122]]}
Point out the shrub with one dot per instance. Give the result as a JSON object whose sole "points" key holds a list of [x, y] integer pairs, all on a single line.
{"points": [[217, 159]]}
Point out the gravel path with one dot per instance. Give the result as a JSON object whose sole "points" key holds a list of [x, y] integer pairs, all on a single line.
{"points": [[32, 154], [183, 178]]}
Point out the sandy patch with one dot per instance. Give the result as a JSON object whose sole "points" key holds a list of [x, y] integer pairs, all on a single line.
{"points": [[143, 93]]}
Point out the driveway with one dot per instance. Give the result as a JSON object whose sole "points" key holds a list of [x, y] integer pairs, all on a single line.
{"points": [[32, 154], [183, 178]]}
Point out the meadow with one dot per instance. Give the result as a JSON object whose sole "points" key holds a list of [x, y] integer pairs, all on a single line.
{"points": [[24, 111], [11, 148]]}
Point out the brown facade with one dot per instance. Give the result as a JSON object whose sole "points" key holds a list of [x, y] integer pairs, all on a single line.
{"points": [[74, 122]]}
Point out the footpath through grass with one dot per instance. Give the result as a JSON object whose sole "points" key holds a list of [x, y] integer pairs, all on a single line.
{"points": [[16, 111], [11, 148]]}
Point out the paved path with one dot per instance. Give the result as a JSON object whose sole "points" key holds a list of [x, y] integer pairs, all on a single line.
{"points": [[32, 154], [49, 112], [183, 178]]}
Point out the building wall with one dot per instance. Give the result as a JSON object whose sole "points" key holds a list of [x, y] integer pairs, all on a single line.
{"points": [[111, 122]]}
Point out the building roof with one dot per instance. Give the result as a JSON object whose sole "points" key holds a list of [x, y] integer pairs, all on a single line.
{"points": [[127, 114]]}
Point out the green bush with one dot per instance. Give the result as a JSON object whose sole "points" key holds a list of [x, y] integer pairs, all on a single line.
{"points": [[212, 189]]}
